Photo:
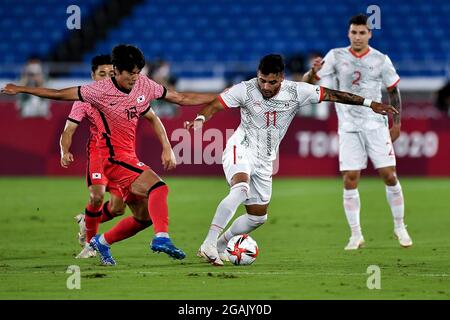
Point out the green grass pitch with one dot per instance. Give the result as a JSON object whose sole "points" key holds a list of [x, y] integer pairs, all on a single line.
{"points": [[301, 245]]}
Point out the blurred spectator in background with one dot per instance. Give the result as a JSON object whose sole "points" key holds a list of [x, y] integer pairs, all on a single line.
{"points": [[311, 57], [159, 71], [240, 72], [146, 69], [295, 66], [29, 106], [320, 111], [443, 99]]}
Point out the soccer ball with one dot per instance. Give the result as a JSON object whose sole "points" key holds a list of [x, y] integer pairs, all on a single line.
{"points": [[242, 250]]}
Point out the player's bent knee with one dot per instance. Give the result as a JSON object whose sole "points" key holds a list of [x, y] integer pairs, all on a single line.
{"points": [[351, 181], [96, 200], [117, 211], [139, 189], [239, 178], [351, 177], [390, 179]]}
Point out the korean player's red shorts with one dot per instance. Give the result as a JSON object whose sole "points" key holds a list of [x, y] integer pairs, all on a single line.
{"points": [[96, 176], [94, 169], [123, 170]]}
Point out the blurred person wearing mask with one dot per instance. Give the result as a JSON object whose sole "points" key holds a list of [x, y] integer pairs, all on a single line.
{"points": [[32, 106]]}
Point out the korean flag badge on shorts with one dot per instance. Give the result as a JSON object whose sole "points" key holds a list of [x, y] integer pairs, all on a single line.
{"points": [[140, 99], [96, 176]]}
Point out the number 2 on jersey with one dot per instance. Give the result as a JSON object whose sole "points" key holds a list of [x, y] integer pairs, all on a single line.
{"points": [[274, 117], [356, 78]]}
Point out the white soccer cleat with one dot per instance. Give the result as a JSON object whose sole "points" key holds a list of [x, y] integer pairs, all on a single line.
{"points": [[223, 256], [208, 251], [221, 247], [79, 218], [355, 242], [87, 252], [403, 237]]}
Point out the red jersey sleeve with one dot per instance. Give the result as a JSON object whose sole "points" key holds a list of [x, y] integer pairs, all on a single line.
{"points": [[155, 90], [78, 112]]}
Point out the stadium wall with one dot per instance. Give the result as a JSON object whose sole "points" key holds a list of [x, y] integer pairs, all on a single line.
{"points": [[310, 148]]}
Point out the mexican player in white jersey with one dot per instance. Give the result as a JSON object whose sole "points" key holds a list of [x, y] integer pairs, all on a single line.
{"points": [[363, 70], [268, 103]]}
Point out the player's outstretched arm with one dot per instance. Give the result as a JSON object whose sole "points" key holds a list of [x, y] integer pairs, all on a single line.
{"points": [[65, 142], [167, 157], [70, 94], [204, 115], [353, 99], [396, 101], [189, 98]]}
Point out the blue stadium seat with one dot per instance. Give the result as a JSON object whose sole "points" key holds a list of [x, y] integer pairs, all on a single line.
{"points": [[34, 27], [244, 30], [228, 30]]}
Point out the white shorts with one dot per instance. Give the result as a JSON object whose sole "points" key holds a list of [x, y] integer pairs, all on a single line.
{"points": [[237, 158], [355, 147]]}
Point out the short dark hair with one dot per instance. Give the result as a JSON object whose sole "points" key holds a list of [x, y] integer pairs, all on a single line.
{"points": [[100, 60], [359, 19], [272, 63], [127, 57]]}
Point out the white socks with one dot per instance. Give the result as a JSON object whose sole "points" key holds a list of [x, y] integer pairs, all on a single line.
{"points": [[244, 224], [394, 196], [162, 235], [352, 206], [103, 241], [226, 210]]}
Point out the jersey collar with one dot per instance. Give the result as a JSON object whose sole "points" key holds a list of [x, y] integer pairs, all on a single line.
{"points": [[113, 79], [359, 56]]}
